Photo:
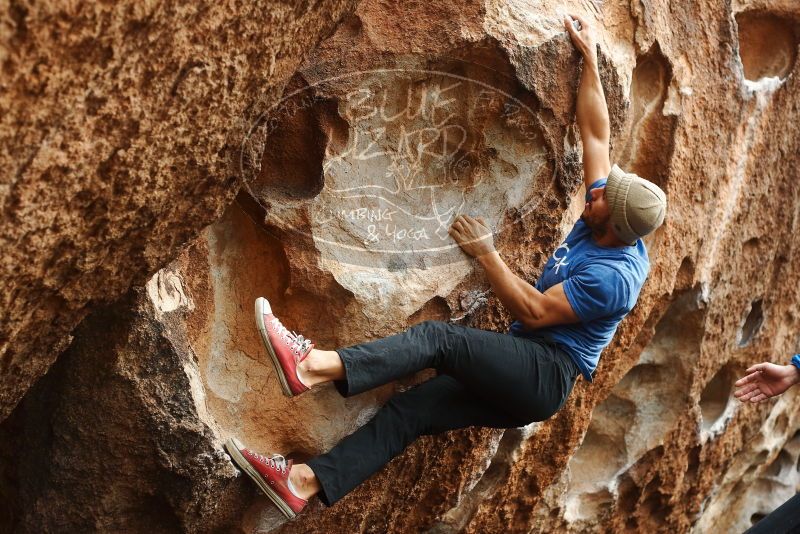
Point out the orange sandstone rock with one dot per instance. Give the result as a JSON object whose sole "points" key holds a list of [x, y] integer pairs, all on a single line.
{"points": [[119, 133], [408, 114]]}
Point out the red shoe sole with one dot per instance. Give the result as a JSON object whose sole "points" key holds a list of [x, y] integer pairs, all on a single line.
{"points": [[234, 447], [262, 329]]}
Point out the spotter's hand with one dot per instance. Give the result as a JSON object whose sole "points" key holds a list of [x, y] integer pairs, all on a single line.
{"points": [[473, 235], [766, 380]]}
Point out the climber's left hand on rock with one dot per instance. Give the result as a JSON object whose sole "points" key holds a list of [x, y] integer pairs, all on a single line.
{"points": [[473, 235], [583, 39]]}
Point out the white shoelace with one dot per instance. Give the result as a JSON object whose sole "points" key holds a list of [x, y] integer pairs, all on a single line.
{"points": [[275, 461], [296, 342]]}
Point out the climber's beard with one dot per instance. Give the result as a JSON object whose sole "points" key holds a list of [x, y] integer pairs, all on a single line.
{"points": [[593, 218], [598, 225]]}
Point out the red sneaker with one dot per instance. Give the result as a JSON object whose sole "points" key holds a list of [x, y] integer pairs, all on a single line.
{"points": [[270, 473], [286, 349]]}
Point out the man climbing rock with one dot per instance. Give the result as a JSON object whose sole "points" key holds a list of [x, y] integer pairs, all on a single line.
{"points": [[489, 379]]}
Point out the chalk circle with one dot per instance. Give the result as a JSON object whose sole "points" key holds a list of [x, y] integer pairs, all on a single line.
{"points": [[422, 147]]}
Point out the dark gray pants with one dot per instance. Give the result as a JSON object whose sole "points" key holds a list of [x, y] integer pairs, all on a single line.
{"points": [[485, 378], [784, 520]]}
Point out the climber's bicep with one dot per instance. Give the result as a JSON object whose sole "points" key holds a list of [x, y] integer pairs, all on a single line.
{"points": [[596, 160]]}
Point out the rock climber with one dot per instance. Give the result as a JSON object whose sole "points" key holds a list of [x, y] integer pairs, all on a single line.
{"points": [[486, 379], [764, 381]]}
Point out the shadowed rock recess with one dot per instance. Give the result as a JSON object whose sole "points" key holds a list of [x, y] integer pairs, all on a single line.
{"points": [[165, 166]]}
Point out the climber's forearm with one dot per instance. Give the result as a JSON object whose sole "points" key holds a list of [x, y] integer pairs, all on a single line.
{"points": [[593, 122], [531, 307], [521, 299]]}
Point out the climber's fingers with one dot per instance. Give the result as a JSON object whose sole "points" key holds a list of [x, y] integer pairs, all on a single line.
{"points": [[570, 28], [584, 25], [475, 227]]}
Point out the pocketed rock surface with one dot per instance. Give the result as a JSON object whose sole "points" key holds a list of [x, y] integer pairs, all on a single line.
{"points": [[408, 114], [120, 128]]}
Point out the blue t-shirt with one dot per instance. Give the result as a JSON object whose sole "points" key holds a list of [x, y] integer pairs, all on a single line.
{"points": [[601, 284]]}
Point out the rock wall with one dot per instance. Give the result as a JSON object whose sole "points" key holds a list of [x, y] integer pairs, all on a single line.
{"points": [[120, 128], [407, 115]]}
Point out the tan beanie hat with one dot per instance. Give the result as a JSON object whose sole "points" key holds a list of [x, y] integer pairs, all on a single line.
{"points": [[637, 206]]}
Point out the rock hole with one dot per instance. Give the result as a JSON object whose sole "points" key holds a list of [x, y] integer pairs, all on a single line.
{"points": [[780, 425], [238, 259], [601, 455], [603, 449], [715, 397], [751, 246], [750, 472], [767, 45], [156, 508], [752, 324], [301, 131], [793, 447], [648, 149], [693, 465], [629, 493], [685, 274], [655, 506], [457, 518], [641, 408], [593, 504], [780, 466], [748, 501], [435, 309], [350, 28]]}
